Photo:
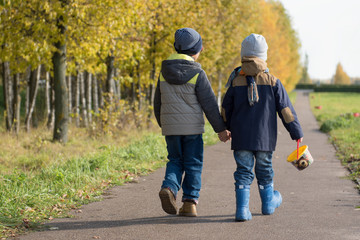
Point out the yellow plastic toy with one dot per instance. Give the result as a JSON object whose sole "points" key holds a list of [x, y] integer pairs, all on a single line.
{"points": [[301, 157]]}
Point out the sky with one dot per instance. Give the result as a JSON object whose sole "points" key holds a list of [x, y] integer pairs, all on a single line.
{"points": [[329, 32]]}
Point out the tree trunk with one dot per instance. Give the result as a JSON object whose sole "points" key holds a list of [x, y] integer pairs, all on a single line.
{"points": [[49, 96], [8, 95], [152, 93], [139, 93], [33, 89], [77, 100], [83, 100], [115, 84], [109, 81], [88, 96], [70, 96], [219, 89], [95, 94], [118, 87], [61, 93], [27, 79], [153, 70], [100, 93], [34, 119], [16, 103], [133, 88]]}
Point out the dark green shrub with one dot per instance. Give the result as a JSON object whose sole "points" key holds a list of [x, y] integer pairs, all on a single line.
{"points": [[342, 121]]}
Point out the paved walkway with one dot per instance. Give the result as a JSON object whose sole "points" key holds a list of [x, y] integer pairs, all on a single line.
{"points": [[318, 203]]}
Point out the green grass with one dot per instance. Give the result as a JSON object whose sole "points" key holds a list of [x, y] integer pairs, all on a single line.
{"points": [[51, 191], [336, 118], [209, 137], [44, 180]]}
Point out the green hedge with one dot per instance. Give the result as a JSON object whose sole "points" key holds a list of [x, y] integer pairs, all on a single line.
{"points": [[330, 87], [305, 86], [337, 88]]}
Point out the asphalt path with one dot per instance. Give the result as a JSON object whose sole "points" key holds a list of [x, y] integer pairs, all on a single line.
{"points": [[318, 202]]}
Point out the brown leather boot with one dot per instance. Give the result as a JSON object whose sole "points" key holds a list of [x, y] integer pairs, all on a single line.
{"points": [[168, 201], [188, 210]]}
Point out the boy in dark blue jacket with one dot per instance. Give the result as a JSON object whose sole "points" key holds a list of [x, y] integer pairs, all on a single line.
{"points": [[249, 109]]}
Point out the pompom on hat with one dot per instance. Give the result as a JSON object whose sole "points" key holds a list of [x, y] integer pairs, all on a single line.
{"points": [[187, 41], [254, 45]]}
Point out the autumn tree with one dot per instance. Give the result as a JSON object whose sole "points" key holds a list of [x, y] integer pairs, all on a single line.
{"points": [[283, 54], [23, 46], [222, 42], [340, 75]]}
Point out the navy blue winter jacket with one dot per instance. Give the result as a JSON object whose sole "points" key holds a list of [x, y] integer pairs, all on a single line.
{"points": [[254, 128]]}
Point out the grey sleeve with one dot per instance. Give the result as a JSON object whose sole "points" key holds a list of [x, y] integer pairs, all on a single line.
{"points": [[207, 100], [157, 103]]}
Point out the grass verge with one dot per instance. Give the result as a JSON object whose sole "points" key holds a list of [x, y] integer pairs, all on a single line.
{"points": [[336, 114], [42, 180]]}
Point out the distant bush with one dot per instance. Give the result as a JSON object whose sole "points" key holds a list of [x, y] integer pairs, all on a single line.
{"points": [[342, 121]]}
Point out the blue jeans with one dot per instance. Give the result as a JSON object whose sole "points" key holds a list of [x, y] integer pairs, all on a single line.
{"points": [[245, 161], [185, 154]]}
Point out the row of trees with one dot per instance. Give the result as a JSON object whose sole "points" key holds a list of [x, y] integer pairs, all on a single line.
{"points": [[96, 54], [340, 76]]}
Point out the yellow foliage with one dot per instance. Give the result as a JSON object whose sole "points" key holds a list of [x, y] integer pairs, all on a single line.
{"points": [[341, 76], [283, 55], [140, 33]]}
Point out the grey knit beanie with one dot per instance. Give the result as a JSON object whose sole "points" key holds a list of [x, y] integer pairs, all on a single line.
{"points": [[254, 45], [187, 41]]}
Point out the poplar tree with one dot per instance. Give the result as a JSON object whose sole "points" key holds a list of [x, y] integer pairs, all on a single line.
{"points": [[305, 78], [341, 76]]}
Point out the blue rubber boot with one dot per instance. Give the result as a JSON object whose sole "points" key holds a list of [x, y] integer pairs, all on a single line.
{"points": [[270, 199], [242, 203]]}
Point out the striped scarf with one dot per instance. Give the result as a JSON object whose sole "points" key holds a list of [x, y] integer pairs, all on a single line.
{"points": [[253, 95]]}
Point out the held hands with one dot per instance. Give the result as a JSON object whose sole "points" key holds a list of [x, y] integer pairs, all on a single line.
{"points": [[224, 136]]}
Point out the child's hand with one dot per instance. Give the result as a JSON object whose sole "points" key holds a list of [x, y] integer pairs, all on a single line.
{"points": [[224, 136], [300, 140]]}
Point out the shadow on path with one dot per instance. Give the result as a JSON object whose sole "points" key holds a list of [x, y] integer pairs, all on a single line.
{"points": [[170, 219]]}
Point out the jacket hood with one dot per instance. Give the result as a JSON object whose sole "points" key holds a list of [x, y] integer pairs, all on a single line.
{"points": [[178, 69], [253, 65]]}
